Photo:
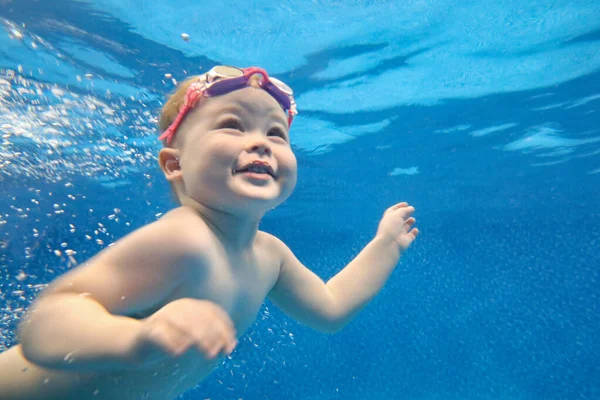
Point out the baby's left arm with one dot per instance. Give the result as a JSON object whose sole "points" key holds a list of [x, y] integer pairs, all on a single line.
{"points": [[328, 307]]}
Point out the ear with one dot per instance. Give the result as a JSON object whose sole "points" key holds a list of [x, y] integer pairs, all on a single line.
{"points": [[168, 159]]}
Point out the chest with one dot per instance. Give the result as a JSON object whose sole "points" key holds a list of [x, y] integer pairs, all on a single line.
{"points": [[239, 284]]}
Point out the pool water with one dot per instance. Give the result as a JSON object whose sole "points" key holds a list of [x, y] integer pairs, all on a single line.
{"points": [[483, 115]]}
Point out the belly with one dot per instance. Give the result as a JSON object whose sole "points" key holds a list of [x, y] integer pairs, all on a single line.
{"points": [[23, 380], [163, 381]]}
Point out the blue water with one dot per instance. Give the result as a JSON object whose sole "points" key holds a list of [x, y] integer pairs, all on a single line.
{"points": [[483, 114]]}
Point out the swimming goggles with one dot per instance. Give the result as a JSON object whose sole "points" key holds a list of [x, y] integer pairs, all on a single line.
{"points": [[223, 79]]}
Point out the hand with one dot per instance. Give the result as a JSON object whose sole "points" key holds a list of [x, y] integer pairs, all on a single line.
{"points": [[396, 225], [180, 326]]}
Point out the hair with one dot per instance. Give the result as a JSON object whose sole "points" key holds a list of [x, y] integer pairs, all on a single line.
{"points": [[174, 103], [168, 114]]}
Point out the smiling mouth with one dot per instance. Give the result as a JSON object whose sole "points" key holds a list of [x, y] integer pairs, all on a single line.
{"points": [[257, 167]]}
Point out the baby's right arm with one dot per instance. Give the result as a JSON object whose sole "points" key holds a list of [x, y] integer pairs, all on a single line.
{"points": [[80, 321]]}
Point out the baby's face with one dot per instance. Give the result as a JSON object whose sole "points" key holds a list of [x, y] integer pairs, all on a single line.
{"points": [[223, 136]]}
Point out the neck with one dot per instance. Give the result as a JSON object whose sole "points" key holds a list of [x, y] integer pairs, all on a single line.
{"points": [[235, 231]]}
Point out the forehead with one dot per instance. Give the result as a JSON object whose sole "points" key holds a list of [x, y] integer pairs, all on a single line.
{"points": [[249, 100]]}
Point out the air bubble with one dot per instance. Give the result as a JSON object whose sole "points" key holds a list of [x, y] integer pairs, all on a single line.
{"points": [[69, 358]]}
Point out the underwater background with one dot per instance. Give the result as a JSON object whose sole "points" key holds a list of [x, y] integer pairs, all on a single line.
{"points": [[484, 115]]}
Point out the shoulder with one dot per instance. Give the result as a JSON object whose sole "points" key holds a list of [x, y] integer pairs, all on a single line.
{"points": [[184, 226], [179, 235], [274, 245], [146, 263], [273, 252], [266, 239]]}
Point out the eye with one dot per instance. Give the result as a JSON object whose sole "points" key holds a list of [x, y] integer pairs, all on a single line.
{"points": [[231, 124], [277, 132]]}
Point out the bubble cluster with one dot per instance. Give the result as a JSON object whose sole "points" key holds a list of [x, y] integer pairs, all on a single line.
{"points": [[52, 133]]}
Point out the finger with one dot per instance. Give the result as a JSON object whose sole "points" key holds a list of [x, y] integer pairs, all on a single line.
{"points": [[224, 341], [228, 339], [397, 206], [200, 335], [213, 339], [206, 339], [184, 343], [225, 324], [225, 348], [231, 346], [414, 232], [409, 222], [169, 338], [222, 315], [405, 211]]}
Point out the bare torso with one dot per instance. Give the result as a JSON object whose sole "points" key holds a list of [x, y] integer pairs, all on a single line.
{"points": [[225, 284]]}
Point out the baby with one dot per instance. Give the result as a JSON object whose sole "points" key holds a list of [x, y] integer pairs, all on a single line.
{"points": [[151, 316]]}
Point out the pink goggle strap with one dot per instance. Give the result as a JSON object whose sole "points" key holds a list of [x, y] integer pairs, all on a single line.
{"points": [[192, 95]]}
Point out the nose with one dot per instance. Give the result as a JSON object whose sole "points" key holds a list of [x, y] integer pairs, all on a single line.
{"points": [[259, 144]]}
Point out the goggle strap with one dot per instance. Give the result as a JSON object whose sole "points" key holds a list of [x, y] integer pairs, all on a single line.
{"points": [[168, 134]]}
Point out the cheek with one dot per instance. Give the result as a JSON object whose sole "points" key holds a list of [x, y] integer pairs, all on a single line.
{"points": [[223, 147], [211, 152], [291, 162]]}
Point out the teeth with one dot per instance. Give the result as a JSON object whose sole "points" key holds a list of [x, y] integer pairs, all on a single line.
{"points": [[257, 169]]}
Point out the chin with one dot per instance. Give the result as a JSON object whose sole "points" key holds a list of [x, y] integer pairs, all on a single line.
{"points": [[268, 192], [269, 201]]}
